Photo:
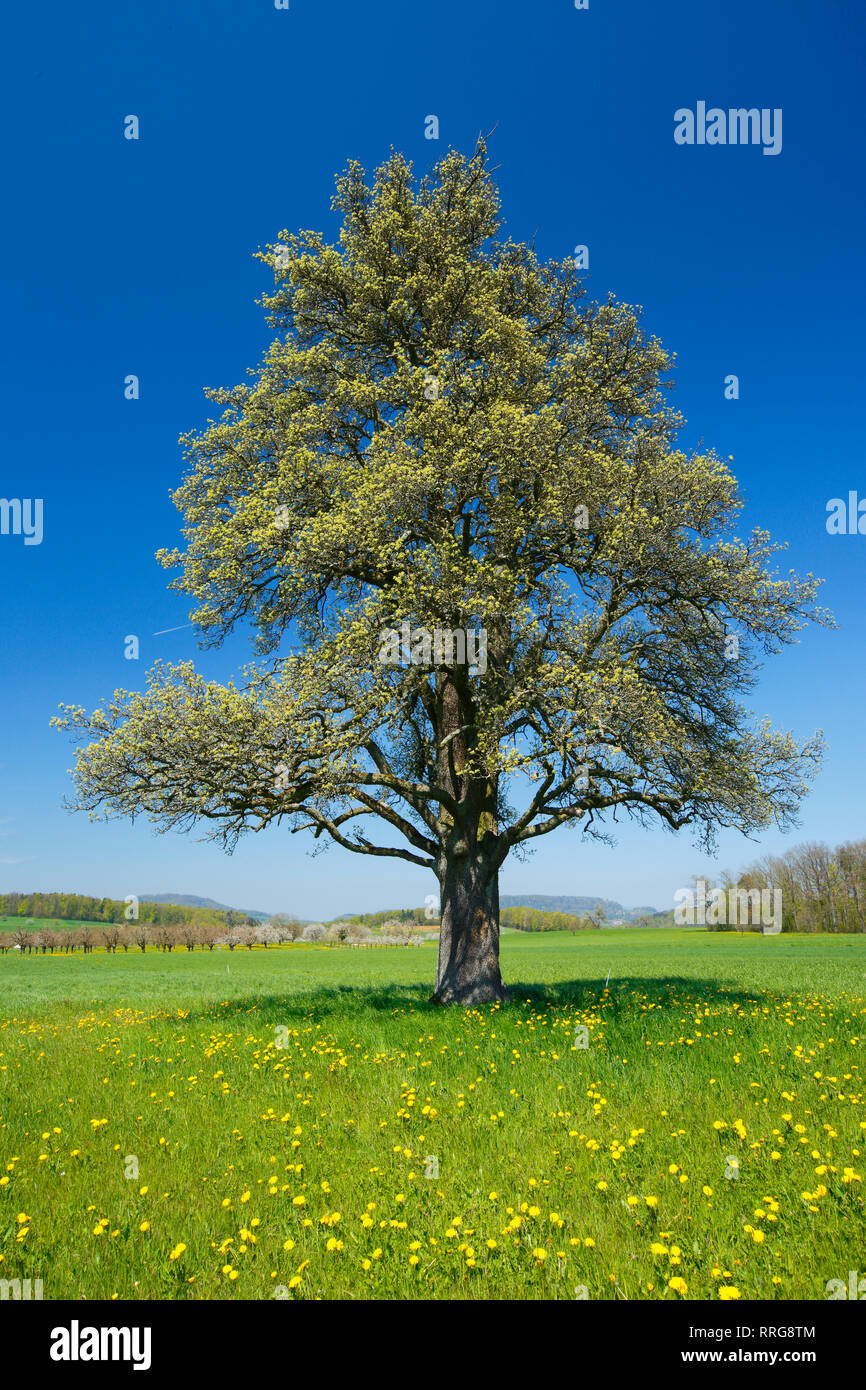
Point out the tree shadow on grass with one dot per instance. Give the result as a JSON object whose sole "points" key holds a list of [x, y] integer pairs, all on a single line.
{"points": [[313, 1006], [682, 990]]}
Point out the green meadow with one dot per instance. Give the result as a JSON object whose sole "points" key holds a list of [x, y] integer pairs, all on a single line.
{"points": [[299, 1122]]}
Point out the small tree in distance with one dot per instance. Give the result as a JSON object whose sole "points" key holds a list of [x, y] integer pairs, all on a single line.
{"points": [[286, 927], [447, 436], [314, 931]]}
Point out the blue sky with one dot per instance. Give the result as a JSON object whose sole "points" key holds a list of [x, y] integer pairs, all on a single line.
{"points": [[137, 257]]}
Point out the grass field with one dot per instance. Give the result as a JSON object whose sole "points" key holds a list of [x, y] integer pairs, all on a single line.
{"points": [[269, 1123], [35, 924]]}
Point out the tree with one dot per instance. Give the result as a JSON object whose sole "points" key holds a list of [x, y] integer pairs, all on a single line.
{"points": [[111, 937], [851, 858], [188, 934], [286, 927], [163, 937], [491, 593]]}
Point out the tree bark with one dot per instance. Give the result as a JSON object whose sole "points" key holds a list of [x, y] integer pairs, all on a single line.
{"points": [[468, 970]]}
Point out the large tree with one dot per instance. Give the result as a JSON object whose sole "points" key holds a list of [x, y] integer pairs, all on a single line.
{"points": [[446, 433]]}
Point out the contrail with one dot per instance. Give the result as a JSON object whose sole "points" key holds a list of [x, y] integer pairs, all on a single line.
{"points": [[170, 629]]}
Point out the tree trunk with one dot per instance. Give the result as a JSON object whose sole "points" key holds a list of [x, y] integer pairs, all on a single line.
{"points": [[468, 971]]}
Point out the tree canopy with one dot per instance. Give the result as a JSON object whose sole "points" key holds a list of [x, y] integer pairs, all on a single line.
{"points": [[448, 435]]}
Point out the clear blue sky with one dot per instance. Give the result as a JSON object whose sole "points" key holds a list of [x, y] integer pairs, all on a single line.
{"points": [[136, 257]]}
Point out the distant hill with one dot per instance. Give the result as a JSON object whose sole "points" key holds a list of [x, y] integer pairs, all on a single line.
{"points": [[190, 900], [543, 902]]}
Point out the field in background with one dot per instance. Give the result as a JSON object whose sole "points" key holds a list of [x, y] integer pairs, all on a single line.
{"points": [[298, 1121], [35, 924]]}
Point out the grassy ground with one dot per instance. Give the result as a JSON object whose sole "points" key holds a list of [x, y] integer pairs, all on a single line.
{"points": [[35, 924], [270, 1123]]}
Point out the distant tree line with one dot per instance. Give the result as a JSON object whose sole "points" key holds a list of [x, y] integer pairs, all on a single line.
{"points": [[76, 907], [189, 934], [823, 890], [406, 915], [535, 919], [132, 936]]}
